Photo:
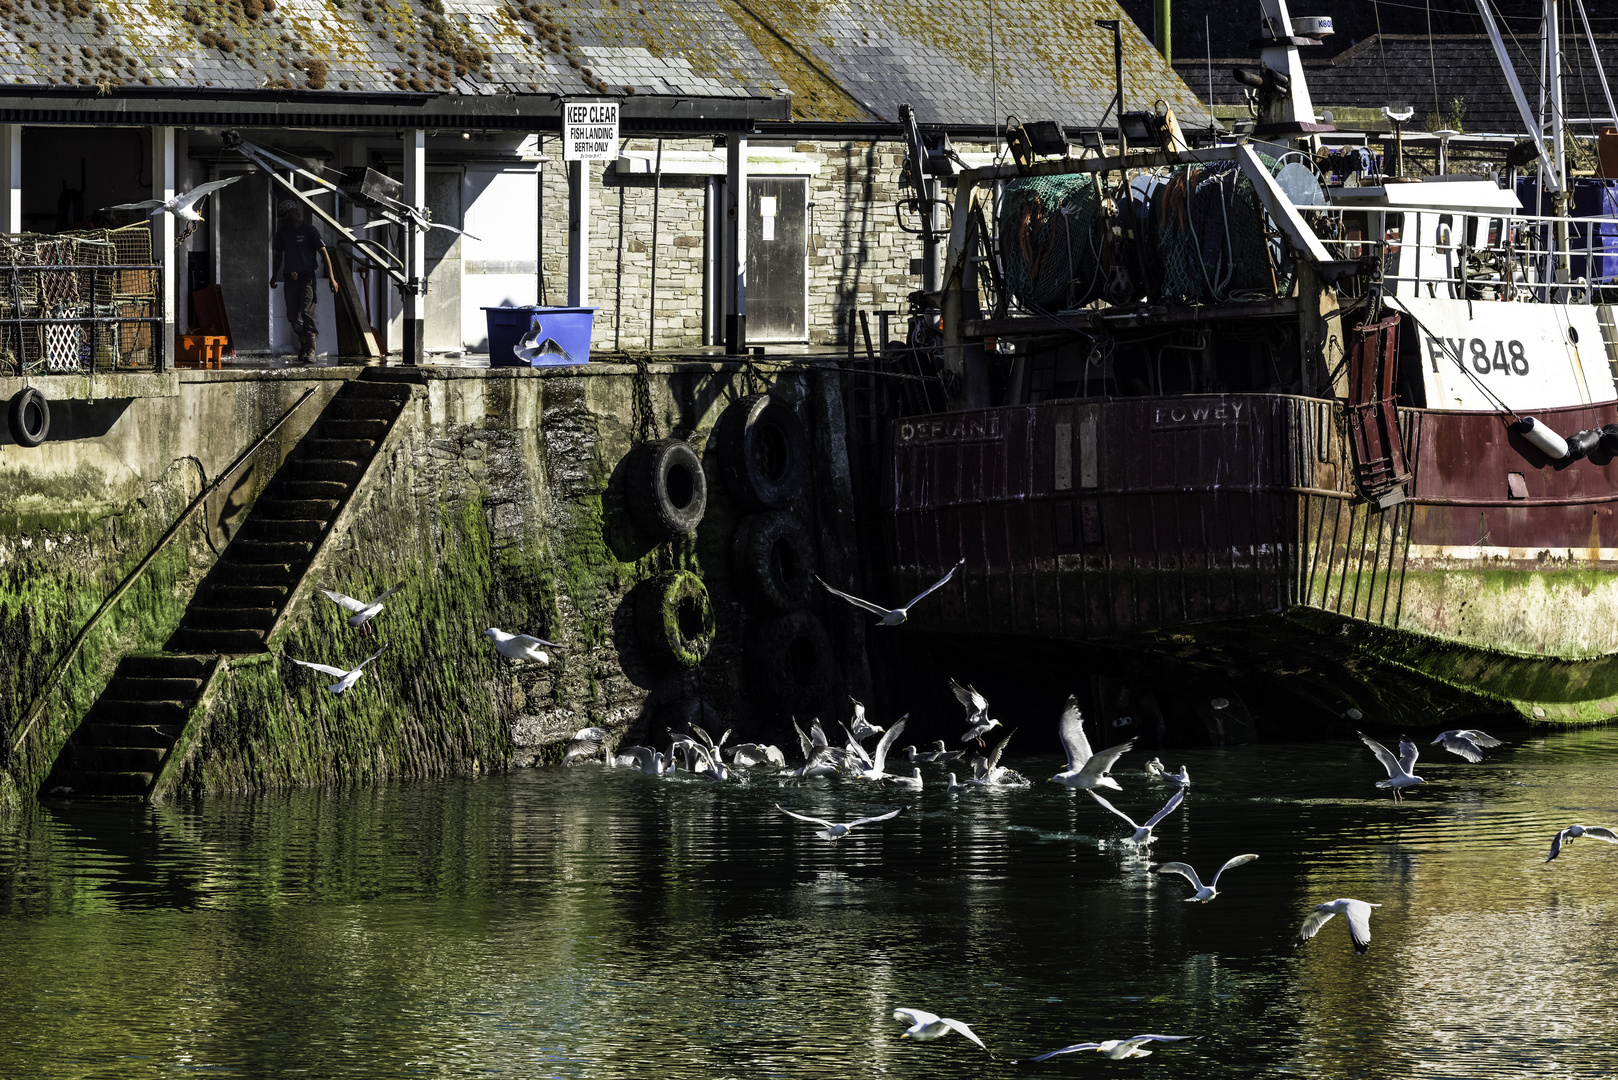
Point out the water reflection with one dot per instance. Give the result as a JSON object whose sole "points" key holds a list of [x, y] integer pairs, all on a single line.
{"points": [[587, 923]]}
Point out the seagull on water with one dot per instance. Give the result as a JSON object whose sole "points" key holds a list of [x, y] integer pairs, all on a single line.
{"points": [[1466, 742], [874, 766], [520, 646], [651, 762], [586, 742], [363, 612], [834, 831], [1573, 832], [892, 616], [926, 1026], [182, 205], [988, 772], [1116, 1049], [913, 781], [345, 679], [1399, 768], [1206, 892], [1357, 912], [1143, 833], [748, 754], [1085, 769], [954, 788]]}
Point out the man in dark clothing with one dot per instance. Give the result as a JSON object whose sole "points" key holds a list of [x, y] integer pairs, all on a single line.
{"points": [[296, 247]]}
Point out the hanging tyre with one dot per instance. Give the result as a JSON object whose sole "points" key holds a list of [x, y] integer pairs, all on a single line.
{"points": [[30, 418], [668, 492], [674, 620], [791, 666], [770, 560], [765, 453]]}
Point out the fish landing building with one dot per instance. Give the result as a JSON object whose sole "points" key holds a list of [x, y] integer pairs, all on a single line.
{"points": [[766, 114]]}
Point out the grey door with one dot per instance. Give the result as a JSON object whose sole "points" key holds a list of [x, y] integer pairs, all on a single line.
{"points": [[777, 258], [243, 232], [444, 263]]}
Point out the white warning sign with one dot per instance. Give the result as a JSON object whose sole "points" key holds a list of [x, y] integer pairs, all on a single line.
{"points": [[589, 130]]}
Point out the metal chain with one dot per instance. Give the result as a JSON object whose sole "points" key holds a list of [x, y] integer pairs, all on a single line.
{"points": [[645, 419]]}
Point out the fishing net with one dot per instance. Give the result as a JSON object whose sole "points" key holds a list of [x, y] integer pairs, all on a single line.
{"points": [[1210, 237], [1050, 241]]}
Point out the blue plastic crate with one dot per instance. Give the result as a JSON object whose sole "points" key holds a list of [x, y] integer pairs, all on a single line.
{"points": [[564, 334]]}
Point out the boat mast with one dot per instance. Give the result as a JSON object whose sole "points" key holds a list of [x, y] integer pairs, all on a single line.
{"points": [[1546, 170], [1293, 106]]}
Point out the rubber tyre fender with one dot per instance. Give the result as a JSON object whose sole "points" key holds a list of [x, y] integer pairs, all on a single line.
{"points": [[791, 666], [30, 417], [765, 458], [674, 620], [770, 559], [668, 490]]}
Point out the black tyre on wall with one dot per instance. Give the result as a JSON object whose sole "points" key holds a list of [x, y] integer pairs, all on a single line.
{"points": [[668, 492], [770, 559], [791, 666], [674, 620], [765, 453], [30, 417]]}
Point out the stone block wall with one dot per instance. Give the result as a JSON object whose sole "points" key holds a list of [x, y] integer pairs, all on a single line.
{"points": [[858, 255]]}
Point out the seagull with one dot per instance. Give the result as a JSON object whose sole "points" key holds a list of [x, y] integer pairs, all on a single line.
{"points": [[926, 1026], [536, 345], [1358, 914], [892, 616], [1399, 774], [1206, 892], [1573, 832], [1154, 769], [954, 787], [988, 772], [875, 766], [976, 704], [363, 612], [1143, 833], [822, 761], [979, 730], [924, 758], [1466, 742], [181, 205], [586, 742], [944, 755], [345, 679], [1085, 769], [748, 754], [862, 728], [520, 646], [1116, 1049], [913, 781], [834, 831], [650, 762]]}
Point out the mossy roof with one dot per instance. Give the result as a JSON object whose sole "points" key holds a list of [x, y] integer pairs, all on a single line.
{"points": [[956, 61]]}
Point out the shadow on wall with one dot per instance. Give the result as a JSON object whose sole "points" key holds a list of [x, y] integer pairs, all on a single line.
{"points": [[74, 418]]}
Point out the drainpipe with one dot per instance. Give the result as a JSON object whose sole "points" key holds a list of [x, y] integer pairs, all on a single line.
{"points": [[414, 293], [1162, 40], [165, 182]]}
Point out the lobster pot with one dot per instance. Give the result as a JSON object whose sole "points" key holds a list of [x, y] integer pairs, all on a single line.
{"points": [[1210, 237], [1050, 243]]}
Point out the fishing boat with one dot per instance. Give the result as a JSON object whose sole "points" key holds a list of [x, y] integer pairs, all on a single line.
{"points": [[1254, 417]]}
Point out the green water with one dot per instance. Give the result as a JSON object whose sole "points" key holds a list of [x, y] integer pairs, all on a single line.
{"points": [[595, 923]]}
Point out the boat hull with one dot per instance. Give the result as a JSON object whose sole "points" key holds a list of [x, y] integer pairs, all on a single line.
{"points": [[1184, 524]]}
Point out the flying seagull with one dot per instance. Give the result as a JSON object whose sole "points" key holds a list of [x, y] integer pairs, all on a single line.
{"points": [[520, 646], [892, 616], [1466, 742], [586, 742], [181, 206], [875, 765], [834, 831], [1143, 833], [926, 1026], [1115, 1049], [535, 345], [345, 679], [862, 728], [1399, 769], [363, 612], [1206, 892], [1357, 912], [1573, 832], [746, 755], [1085, 769]]}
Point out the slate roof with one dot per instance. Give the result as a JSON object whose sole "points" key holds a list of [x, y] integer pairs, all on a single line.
{"points": [[839, 60], [1400, 69], [860, 59]]}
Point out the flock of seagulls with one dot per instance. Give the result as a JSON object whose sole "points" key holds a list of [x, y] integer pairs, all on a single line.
{"points": [[521, 647]]}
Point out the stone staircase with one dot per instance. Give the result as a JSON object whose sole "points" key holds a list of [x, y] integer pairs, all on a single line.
{"points": [[124, 742]]}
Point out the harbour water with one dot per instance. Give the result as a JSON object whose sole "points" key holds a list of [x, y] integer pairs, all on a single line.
{"points": [[591, 923]]}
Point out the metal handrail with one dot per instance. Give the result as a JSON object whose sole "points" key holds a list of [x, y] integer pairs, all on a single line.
{"points": [[49, 685]]}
